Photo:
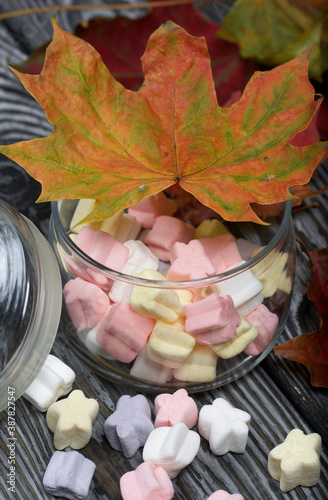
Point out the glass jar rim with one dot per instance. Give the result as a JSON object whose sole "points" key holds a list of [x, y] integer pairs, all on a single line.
{"points": [[203, 282]]}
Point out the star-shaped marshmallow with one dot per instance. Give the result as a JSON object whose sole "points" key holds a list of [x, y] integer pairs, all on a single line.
{"points": [[189, 262], [224, 427], [296, 461], [173, 408], [130, 425], [71, 420]]}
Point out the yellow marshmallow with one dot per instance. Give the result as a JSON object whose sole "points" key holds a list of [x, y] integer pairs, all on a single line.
{"points": [[246, 333], [210, 228], [169, 344], [272, 274], [158, 303], [71, 419], [84, 208], [199, 367]]}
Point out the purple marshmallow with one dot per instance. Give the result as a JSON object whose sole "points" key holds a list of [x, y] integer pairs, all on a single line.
{"points": [[128, 428], [69, 475]]}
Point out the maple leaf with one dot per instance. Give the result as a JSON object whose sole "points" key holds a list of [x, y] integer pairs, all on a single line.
{"points": [[311, 349], [121, 42], [119, 146], [275, 31]]}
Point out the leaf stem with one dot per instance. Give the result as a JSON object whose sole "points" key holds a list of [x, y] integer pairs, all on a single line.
{"points": [[121, 6]]}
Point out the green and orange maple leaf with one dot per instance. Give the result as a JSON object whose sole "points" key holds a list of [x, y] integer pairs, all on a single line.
{"points": [[311, 349], [118, 146]]}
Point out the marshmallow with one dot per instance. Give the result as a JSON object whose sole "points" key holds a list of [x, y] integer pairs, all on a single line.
{"points": [[146, 482], [165, 232], [199, 367], [173, 408], [123, 332], [140, 255], [68, 475], [189, 262], [172, 448], [150, 208], [82, 210], [128, 228], [89, 338], [147, 369], [222, 251], [210, 228], [266, 323], [169, 344], [130, 425], [53, 381], [121, 290], [271, 271], [212, 320], [224, 427], [296, 461], [86, 303], [246, 333], [71, 420], [224, 495], [245, 290], [103, 248], [155, 302], [139, 258]]}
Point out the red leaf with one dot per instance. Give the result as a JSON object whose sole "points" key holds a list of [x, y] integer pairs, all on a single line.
{"points": [[311, 349]]}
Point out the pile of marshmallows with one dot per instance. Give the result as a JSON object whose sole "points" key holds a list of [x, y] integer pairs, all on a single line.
{"points": [[169, 333], [169, 443]]}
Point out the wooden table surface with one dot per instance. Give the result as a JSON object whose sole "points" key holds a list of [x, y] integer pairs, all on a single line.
{"points": [[277, 394]]}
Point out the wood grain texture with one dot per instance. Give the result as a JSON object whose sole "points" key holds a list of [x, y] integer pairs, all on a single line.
{"points": [[277, 393]]}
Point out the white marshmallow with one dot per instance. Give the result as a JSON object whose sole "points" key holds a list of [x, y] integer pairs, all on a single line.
{"points": [[53, 381], [244, 288], [147, 369], [224, 427], [140, 255], [172, 448]]}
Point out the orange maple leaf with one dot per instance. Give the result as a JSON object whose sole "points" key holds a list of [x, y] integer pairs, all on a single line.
{"points": [[118, 146]]}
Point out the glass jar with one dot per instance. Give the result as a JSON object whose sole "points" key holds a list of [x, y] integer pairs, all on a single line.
{"points": [[273, 266], [30, 302]]}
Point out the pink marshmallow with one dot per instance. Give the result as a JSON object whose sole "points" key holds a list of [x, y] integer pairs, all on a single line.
{"points": [[85, 238], [222, 250], [165, 232], [224, 495], [212, 320], [149, 209], [103, 248], [266, 322], [189, 262], [123, 332], [146, 482], [86, 303], [173, 408]]}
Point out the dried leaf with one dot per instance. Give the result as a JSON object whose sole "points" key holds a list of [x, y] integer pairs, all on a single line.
{"points": [[119, 146], [275, 31], [311, 349]]}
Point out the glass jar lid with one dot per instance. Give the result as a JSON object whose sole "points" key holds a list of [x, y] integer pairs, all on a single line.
{"points": [[30, 302]]}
